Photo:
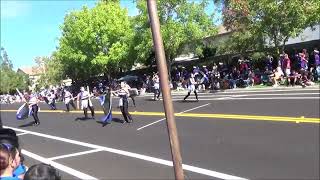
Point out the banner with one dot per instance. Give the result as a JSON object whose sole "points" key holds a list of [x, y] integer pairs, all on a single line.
{"points": [[23, 112], [106, 104]]}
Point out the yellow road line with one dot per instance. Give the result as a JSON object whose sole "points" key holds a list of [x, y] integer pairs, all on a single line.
{"points": [[202, 115]]}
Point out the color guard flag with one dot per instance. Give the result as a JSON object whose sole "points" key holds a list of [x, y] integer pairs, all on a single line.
{"points": [[105, 102], [23, 112]]}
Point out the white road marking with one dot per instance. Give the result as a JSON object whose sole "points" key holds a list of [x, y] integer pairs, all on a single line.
{"points": [[59, 166], [75, 154], [20, 134], [124, 153], [150, 124], [230, 91], [265, 90], [250, 98], [249, 94], [165, 118]]}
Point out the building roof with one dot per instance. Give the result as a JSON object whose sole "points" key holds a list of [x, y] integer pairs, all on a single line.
{"points": [[222, 30], [31, 71]]}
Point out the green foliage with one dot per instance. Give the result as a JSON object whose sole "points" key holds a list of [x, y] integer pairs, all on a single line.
{"points": [[182, 22], [206, 51], [258, 56], [10, 80], [52, 73], [272, 19], [95, 41]]}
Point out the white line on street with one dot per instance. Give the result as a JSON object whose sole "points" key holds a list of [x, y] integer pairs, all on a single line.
{"points": [[20, 134], [165, 118], [250, 98], [194, 108], [76, 154], [150, 124], [250, 94], [124, 153], [230, 91], [59, 166]]}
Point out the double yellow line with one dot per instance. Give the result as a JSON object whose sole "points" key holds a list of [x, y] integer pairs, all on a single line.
{"points": [[301, 119]]}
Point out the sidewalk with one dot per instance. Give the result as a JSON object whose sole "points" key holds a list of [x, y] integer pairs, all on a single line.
{"points": [[255, 88]]}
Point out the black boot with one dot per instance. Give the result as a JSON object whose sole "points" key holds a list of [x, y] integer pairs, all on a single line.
{"points": [[195, 92], [186, 96], [85, 111]]}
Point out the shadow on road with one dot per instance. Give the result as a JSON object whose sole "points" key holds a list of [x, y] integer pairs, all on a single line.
{"points": [[150, 100], [117, 120], [83, 119], [27, 125], [187, 101]]}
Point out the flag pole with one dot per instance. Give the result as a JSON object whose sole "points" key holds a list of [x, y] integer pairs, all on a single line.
{"points": [[166, 92]]}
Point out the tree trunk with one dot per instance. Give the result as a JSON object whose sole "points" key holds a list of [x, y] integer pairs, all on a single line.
{"points": [[284, 43], [169, 62]]}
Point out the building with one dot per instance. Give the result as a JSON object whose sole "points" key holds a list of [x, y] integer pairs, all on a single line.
{"points": [[33, 74], [308, 39]]}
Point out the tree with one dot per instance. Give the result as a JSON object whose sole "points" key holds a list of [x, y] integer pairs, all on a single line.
{"points": [[272, 19], [95, 41], [5, 61], [10, 80], [51, 70], [182, 23]]}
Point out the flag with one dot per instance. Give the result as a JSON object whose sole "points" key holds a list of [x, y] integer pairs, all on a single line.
{"points": [[23, 112], [106, 104]]}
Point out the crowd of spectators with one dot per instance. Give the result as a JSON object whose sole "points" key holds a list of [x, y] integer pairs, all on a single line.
{"points": [[12, 165], [301, 69]]}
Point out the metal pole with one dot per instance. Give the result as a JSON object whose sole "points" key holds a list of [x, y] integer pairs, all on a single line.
{"points": [[166, 94]]}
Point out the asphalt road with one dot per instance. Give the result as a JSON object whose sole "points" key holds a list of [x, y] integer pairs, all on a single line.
{"points": [[251, 134]]}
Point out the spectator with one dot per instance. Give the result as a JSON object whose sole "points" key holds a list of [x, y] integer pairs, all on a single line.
{"points": [[317, 73], [276, 76], [9, 161], [286, 65], [294, 78], [42, 172], [9, 137], [316, 58], [250, 79], [305, 80], [304, 61], [269, 62]]}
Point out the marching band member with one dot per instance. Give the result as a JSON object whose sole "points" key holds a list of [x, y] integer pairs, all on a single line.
{"points": [[124, 93], [52, 100], [86, 103], [68, 99], [191, 87], [156, 84], [33, 101]]}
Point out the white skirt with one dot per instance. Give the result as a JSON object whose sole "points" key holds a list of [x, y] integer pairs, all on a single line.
{"points": [[85, 103], [120, 102], [67, 100], [191, 88], [156, 86]]}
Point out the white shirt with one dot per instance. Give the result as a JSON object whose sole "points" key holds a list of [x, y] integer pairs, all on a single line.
{"points": [[33, 100]]}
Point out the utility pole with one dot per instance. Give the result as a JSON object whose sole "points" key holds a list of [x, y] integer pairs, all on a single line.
{"points": [[166, 92]]}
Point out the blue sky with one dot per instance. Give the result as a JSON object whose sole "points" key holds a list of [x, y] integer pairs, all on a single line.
{"points": [[31, 28]]}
